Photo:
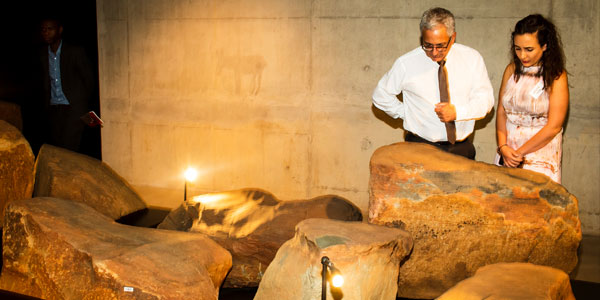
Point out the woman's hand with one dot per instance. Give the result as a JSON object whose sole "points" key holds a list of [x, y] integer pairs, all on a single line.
{"points": [[511, 157]]}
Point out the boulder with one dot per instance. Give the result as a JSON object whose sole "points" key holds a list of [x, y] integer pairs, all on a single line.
{"points": [[11, 113], [367, 256], [64, 174], [513, 281], [62, 249], [16, 166], [465, 214], [252, 224]]}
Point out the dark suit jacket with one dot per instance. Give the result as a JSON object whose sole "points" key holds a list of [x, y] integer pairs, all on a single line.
{"points": [[76, 76]]}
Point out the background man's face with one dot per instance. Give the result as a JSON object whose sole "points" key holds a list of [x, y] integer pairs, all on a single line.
{"points": [[50, 31], [437, 37]]}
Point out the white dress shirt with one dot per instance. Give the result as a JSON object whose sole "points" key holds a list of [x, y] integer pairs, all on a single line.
{"points": [[415, 75]]}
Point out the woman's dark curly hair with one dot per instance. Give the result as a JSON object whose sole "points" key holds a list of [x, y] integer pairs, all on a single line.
{"points": [[553, 59]]}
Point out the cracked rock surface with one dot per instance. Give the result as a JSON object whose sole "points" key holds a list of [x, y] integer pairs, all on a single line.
{"points": [[465, 214], [62, 249]]}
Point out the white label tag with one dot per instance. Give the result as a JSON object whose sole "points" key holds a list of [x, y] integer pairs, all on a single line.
{"points": [[537, 90], [128, 289]]}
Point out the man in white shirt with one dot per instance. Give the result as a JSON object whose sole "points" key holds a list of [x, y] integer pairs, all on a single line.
{"points": [[416, 74]]}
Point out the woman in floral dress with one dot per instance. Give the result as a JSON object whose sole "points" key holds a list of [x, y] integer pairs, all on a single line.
{"points": [[533, 101]]}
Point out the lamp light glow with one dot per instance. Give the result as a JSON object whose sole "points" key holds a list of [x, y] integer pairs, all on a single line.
{"points": [[337, 280], [190, 174], [332, 273], [208, 199]]}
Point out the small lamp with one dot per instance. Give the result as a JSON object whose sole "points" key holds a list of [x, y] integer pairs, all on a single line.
{"points": [[190, 175], [337, 280]]}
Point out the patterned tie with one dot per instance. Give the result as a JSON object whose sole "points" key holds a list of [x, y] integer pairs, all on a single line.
{"points": [[444, 97]]}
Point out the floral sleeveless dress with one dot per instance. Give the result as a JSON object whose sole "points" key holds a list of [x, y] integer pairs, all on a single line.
{"points": [[526, 104]]}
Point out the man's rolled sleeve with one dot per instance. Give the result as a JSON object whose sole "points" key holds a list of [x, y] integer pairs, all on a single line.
{"points": [[384, 96]]}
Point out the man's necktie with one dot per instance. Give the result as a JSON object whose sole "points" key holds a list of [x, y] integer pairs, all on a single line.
{"points": [[444, 97]]}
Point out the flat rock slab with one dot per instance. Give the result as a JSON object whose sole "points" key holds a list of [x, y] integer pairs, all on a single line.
{"points": [[513, 281], [61, 173], [368, 256], [252, 224], [61, 249], [464, 214], [16, 166]]}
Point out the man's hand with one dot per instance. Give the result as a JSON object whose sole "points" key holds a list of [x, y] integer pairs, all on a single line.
{"points": [[445, 111]]}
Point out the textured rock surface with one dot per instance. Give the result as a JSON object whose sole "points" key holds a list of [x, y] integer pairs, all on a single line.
{"points": [[513, 281], [367, 255], [252, 224], [464, 214], [16, 166], [61, 173], [61, 249], [11, 113]]}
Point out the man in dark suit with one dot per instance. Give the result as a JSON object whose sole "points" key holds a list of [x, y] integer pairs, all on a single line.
{"points": [[67, 86]]}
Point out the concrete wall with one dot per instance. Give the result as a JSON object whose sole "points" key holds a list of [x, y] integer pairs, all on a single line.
{"points": [[276, 94]]}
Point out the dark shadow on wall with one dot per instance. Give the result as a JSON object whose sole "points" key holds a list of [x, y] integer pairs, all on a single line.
{"points": [[394, 123], [482, 123]]}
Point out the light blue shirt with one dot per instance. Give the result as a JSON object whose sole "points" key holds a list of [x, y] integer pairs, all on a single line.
{"points": [[56, 93]]}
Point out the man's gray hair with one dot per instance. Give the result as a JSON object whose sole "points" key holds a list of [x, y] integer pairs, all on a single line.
{"points": [[436, 16]]}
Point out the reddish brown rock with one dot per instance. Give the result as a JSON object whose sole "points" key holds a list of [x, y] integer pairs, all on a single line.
{"points": [[11, 113], [513, 281], [252, 224], [366, 255], [61, 249], [64, 174], [464, 214], [16, 166]]}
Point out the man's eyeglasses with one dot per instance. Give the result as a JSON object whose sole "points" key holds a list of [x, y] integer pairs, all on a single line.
{"points": [[429, 47]]}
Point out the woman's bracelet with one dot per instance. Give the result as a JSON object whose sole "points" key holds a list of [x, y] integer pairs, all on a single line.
{"points": [[500, 147]]}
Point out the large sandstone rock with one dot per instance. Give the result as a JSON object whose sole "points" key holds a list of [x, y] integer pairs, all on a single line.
{"points": [[61, 249], [513, 281], [464, 214], [11, 113], [252, 224], [16, 166], [367, 255], [61, 173]]}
